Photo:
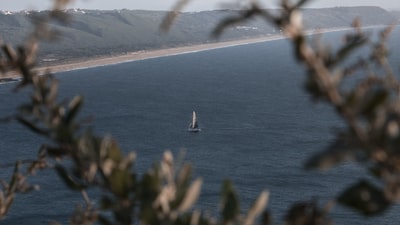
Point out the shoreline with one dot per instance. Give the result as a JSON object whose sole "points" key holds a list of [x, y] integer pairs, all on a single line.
{"points": [[150, 54], [157, 53]]}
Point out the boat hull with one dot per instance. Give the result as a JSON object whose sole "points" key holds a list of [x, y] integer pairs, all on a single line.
{"points": [[194, 130]]}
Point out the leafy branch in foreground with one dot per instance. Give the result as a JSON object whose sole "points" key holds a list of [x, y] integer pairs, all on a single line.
{"points": [[165, 194], [87, 163], [369, 104], [21, 61]]}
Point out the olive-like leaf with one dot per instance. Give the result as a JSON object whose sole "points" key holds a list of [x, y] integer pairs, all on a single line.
{"points": [[74, 107], [185, 173], [106, 203], [120, 182], [372, 101], [53, 91], [342, 149], [15, 177], [31, 126], [171, 16], [364, 198], [191, 196], [8, 202], [230, 206], [257, 208], [10, 53], [67, 178], [25, 108], [306, 212], [110, 149], [103, 220], [354, 42]]}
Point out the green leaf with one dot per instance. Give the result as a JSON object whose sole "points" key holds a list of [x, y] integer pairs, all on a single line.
{"points": [[104, 220], [148, 190], [353, 42], [257, 208], [120, 182], [230, 202], [191, 196], [8, 202], [182, 185], [31, 126], [266, 218], [67, 178], [25, 108], [184, 176], [305, 213], [9, 52], [345, 147], [313, 88], [106, 203], [74, 107], [150, 186], [52, 92], [55, 152], [374, 99], [364, 198], [15, 177], [111, 150]]}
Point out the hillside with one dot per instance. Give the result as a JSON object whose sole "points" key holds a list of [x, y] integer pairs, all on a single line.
{"points": [[396, 14], [343, 16], [93, 33]]}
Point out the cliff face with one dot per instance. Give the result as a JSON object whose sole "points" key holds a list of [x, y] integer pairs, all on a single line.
{"points": [[95, 33]]}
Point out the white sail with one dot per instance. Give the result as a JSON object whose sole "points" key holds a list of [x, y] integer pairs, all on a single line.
{"points": [[193, 126], [194, 122]]}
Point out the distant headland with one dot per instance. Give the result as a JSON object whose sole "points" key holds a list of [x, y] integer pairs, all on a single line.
{"points": [[97, 37]]}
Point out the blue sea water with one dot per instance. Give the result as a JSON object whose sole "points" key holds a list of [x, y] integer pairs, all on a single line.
{"points": [[258, 128]]}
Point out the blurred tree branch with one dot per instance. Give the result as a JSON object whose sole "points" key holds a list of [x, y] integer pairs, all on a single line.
{"points": [[84, 161], [370, 107], [166, 193]]}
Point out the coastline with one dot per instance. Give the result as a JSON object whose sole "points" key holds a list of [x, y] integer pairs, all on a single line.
{"points": [[143, 55], [156, 53]]}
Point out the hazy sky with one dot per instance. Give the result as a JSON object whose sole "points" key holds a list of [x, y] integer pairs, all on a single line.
{"points": [[196, 5]]}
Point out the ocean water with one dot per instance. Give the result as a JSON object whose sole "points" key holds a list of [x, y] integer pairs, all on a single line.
{"points": [[258, 128]]}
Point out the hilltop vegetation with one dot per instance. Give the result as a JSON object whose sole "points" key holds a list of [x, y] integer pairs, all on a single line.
{"points": [[93, 33]]}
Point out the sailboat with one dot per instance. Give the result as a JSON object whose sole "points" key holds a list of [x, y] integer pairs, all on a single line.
{"points": [[194, 126]]}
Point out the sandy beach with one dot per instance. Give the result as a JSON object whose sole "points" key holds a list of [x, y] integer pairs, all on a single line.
{"points": [[142, 55]]}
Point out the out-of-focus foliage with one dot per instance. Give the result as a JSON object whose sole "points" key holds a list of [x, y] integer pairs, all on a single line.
{"points": [[166, 193], [369, 105], [304, 213]]}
